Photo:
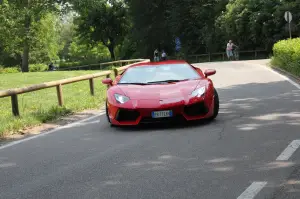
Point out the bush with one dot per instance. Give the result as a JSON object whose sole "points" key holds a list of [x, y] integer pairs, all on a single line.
{"points": [[37, 67], [286, 55], [14, 69]]}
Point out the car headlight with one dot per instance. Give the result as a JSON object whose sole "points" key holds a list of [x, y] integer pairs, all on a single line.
{"points": [[199, 92], [121, 98]]}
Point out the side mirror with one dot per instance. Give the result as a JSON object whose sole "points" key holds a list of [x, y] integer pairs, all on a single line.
{"points": [[107, 81], [209, 72]]}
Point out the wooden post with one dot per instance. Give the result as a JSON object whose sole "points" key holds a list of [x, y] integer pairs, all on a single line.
{"points": [[108, 76], [209, 57], [15, 105], [92, 88], [116, 72], [60, 95], [255, 54]]}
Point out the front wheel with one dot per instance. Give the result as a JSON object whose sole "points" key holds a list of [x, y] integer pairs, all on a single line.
{"points": [[216, 105], [107, 115]]}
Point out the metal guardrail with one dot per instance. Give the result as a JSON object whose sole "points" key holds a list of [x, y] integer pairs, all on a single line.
{"points": [[13, 93], [100, 65]]}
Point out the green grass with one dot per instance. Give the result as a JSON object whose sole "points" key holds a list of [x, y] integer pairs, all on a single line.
{"points": [[40, 106]]}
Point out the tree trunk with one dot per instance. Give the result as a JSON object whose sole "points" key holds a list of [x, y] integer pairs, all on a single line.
{"points": [[25, 58], [112, 52], [25, 65]]}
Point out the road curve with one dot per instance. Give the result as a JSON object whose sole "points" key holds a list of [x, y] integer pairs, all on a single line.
{"points": [[245, 153]]}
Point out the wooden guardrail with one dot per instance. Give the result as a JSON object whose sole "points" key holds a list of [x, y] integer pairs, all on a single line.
{"points": [[121, 69], [13, 93], [100, 65], [224, 56]]}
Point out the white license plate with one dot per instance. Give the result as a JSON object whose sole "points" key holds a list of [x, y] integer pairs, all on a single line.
{"points": [[159, 114]]}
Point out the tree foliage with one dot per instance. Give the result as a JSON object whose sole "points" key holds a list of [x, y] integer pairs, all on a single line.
{"points": [[41, 31], [258, 24], [105, 22], [150, 26]]}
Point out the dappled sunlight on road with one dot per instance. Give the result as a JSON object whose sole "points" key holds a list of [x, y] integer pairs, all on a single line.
{"points": [[7, 165], [220, 160], [222, 169], [276, 165], [278, 116], [260, 106]]}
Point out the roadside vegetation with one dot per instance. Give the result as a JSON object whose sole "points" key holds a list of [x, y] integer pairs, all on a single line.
{"points": [[41, 106], [69, 32], [287, 55]]}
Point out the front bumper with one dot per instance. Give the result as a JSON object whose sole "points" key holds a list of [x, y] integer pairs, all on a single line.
{"points": [[192, 110]]}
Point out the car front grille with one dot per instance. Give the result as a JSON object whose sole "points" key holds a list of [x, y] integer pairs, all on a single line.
{"points": [[196, 109], [125, 115]]}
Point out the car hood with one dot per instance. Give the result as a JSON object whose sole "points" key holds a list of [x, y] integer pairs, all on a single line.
{"points": [[161, 91]]}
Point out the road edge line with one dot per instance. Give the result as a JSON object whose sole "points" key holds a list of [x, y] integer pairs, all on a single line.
{"points": [[49, 132], [277, 73]]}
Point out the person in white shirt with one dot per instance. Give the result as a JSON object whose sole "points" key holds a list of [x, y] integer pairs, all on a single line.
{"points": [[229, 49], [164, 55]]}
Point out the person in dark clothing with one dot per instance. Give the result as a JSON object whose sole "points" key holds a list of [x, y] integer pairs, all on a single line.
{"points": [[51, 67], [156, 55]]}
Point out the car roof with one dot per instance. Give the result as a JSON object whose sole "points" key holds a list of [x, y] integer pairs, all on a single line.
{"points": [[160, 63]]}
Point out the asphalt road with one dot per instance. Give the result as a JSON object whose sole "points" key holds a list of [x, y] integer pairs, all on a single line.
{"points": [[240, 155]]}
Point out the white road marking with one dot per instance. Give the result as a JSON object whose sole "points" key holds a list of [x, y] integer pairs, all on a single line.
{"points": [[252, 190], [277, 73], [49, 132], [288, 152]]}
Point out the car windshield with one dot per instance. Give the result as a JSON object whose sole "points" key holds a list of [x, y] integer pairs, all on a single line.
{"points": [[161, 73]]}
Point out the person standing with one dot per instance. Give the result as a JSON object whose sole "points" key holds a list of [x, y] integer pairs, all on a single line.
{"points": [[156, 55], [164, 55], [229, 49]]}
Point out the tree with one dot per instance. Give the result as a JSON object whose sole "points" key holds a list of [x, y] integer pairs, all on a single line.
{"points": [[46, 40], [67, 34], [157, 23], [10, 36], [193, 21], [150, 26], [82, 50], [257, 24], [106, 23], [30, 12]]}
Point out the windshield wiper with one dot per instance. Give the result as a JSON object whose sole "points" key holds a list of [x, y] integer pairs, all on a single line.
{"points": [[135, 83], [168, 81]]}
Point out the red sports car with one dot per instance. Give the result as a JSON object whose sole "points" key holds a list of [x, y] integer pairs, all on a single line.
{"points": [[161, 91]]}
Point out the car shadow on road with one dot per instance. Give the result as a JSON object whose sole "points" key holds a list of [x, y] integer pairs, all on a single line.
{"points": [[163, 126]]}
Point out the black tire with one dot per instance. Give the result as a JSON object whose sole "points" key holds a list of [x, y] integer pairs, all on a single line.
{"points": [[216, 105], [107, 117], [106, 111]]}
